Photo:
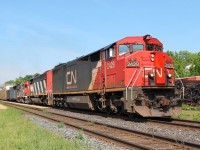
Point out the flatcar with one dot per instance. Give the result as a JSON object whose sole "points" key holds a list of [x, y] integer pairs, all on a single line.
{"points": [[130, 76]]}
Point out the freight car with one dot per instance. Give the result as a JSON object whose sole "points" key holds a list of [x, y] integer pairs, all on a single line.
{"points": [[189, 89], [4, 93], [131, 76], [11, 94]]}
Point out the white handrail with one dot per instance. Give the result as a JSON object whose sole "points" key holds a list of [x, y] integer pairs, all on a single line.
{"points": [[131, 78], [134, 83], [130, 82], [137, 77]]}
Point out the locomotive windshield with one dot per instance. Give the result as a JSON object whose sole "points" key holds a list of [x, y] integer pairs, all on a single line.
{"points": [[152, 47], [137, 47], [124, 48]]}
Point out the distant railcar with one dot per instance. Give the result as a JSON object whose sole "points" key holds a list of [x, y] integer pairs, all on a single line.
{"points": [[11, 94], [38, 89], [189, 89], [3, 94]]}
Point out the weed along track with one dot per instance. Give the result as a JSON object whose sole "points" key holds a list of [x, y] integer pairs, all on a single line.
{"points": [[112, 133]]}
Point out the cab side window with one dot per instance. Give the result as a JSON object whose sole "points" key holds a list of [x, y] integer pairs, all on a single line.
{"points": [[123, 48], [109, 53]]}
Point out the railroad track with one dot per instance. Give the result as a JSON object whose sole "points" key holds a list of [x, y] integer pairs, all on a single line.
{"points": [[186, 124], [189, 125], [118, 135]]}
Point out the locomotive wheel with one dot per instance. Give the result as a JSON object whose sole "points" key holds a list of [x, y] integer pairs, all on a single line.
{"points": [[30, 102], [66, 106], [27, 101], [130, 115], [61, 105], [119, 111], [56, 104], [45, 102], [108, 110], [23, 101]]}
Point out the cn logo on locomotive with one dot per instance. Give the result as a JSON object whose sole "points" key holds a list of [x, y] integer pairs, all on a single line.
{"points": [[155, 71], [71, 77]]}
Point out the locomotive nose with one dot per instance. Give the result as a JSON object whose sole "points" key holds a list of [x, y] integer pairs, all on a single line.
{"points": [[159, 71]]}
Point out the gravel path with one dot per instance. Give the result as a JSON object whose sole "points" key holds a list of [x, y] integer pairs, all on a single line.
{"points": [[3, 106], [176, 134], [73, 135]]}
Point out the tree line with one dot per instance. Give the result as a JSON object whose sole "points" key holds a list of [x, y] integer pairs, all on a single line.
{"points": [[186, 64], [21, 79]]}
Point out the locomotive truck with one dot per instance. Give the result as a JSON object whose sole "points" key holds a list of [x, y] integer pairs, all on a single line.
{"points": [[130, 76]]}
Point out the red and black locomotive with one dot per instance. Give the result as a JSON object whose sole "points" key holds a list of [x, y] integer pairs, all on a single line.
{"points": [[132, 76]]}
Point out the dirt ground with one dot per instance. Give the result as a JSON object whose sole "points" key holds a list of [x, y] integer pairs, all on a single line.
{"points": [[3, 106]]}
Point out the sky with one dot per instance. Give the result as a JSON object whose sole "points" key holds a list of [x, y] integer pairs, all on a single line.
{"points": [[36, 35]]}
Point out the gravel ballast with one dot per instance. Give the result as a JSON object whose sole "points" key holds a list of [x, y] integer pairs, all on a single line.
{"points": [[73, 135], [176, 134]]}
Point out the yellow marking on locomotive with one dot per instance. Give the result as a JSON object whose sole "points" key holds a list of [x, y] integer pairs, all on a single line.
{"points": [[93, 91]]}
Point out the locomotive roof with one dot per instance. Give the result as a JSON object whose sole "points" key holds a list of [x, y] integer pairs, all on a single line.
{"points": [[104, 48], [84, 56]]}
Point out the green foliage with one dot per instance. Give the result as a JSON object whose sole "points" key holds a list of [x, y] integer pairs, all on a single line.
{"points": [[21, 79], [189, 113], [188, 107], [196, 117], [79, 135], [195, 70], [184, 58], [61, 125], [35, 75], [27, 77], [45, 111], [10, 82]]}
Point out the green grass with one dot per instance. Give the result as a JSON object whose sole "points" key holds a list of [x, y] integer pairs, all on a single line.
{"points": [[79, 135], [188, 107], [189, 113], [61, 125], [17, 133]]}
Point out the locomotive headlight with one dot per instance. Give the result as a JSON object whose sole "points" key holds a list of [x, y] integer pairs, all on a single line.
{"points": [[152, 57], [169, 75], [151, 75]]}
